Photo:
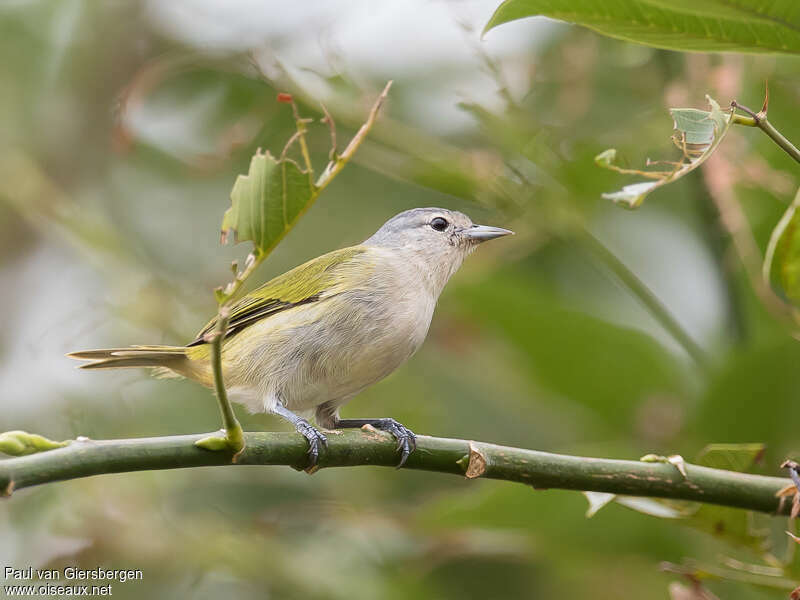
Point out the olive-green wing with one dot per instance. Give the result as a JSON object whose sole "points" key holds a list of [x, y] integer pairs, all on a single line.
{"points": [[307, 283]]}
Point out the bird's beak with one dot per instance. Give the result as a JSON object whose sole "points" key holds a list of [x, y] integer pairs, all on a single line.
{"points": [[482, 233]]}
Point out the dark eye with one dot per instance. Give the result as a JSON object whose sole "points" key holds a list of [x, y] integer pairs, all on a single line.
{"points": [[439, 223]]}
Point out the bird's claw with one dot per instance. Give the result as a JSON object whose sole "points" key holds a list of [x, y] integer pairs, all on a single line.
{"points": [[316, 441], [406, 440]]}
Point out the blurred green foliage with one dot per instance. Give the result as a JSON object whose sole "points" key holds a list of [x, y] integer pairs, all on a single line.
{"points": [[114, 112]]}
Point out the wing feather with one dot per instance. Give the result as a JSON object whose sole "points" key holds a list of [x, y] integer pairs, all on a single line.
{"points": [[309, 282]]}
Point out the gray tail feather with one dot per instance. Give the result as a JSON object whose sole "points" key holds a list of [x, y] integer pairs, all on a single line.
{"points": [[162, 357]]}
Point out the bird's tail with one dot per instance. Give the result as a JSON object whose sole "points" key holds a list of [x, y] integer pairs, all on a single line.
{"points": [[167, 360]]}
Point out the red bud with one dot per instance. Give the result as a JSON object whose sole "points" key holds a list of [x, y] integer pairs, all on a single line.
{"points": [[285, 98]]}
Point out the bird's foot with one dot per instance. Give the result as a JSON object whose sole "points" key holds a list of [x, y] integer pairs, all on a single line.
{"points": [[406, 440], [316, 441]]}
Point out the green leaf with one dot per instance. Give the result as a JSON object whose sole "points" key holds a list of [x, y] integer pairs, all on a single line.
{"points": [[732, 457], [782, 259], [732, 524], [707, 26], [267, 202], [697, 134]]}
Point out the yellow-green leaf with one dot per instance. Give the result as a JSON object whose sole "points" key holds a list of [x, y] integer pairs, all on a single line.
{"points": [[267, 202]]}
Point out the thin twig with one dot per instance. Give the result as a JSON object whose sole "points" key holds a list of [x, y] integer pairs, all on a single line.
{"points": [[759, 119], [338, 163], [646, 297], [328, 119]]}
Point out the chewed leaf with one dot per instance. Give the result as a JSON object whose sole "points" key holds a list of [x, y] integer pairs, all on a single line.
{"points": [[697, 134], [695, 125], [782, 259], [266, 203], [732, 457]]}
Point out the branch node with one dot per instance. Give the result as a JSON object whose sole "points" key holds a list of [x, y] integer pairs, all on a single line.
{"points": [[373, 433], [757, 117], [477, 462]]}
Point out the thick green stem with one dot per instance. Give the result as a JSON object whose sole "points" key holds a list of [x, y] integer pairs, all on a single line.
{"points": [[365, 447], [646, 297]]}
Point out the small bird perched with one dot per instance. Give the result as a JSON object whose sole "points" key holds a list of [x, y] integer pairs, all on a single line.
{"points": [[307, 341]]}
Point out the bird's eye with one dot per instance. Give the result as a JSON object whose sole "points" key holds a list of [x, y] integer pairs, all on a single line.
{"points": [[439, 223]]}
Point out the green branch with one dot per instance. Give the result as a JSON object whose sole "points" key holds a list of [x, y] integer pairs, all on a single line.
{"points": [[369, 447]]}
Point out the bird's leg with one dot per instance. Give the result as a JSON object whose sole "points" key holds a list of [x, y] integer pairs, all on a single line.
{"points": [[406, 440], [315, 438]]}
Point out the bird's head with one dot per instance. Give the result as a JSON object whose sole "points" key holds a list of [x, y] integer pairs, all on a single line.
{"points": [[440, 238]]}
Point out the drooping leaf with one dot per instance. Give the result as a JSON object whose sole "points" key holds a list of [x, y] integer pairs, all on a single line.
{"points": [[697, 134], [267, 202], [782, 259], [707, 26]]}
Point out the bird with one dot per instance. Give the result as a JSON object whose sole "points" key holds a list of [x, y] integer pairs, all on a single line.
{"points": [[306, 342]]}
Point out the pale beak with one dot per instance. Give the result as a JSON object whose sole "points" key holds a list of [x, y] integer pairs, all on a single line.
{"points": [[482, 233]]}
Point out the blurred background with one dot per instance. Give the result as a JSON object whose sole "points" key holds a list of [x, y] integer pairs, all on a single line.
{"points": [[122, 128]]}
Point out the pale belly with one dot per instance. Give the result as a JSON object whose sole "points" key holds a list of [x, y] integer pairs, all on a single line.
{"points": [[324, 352]]}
